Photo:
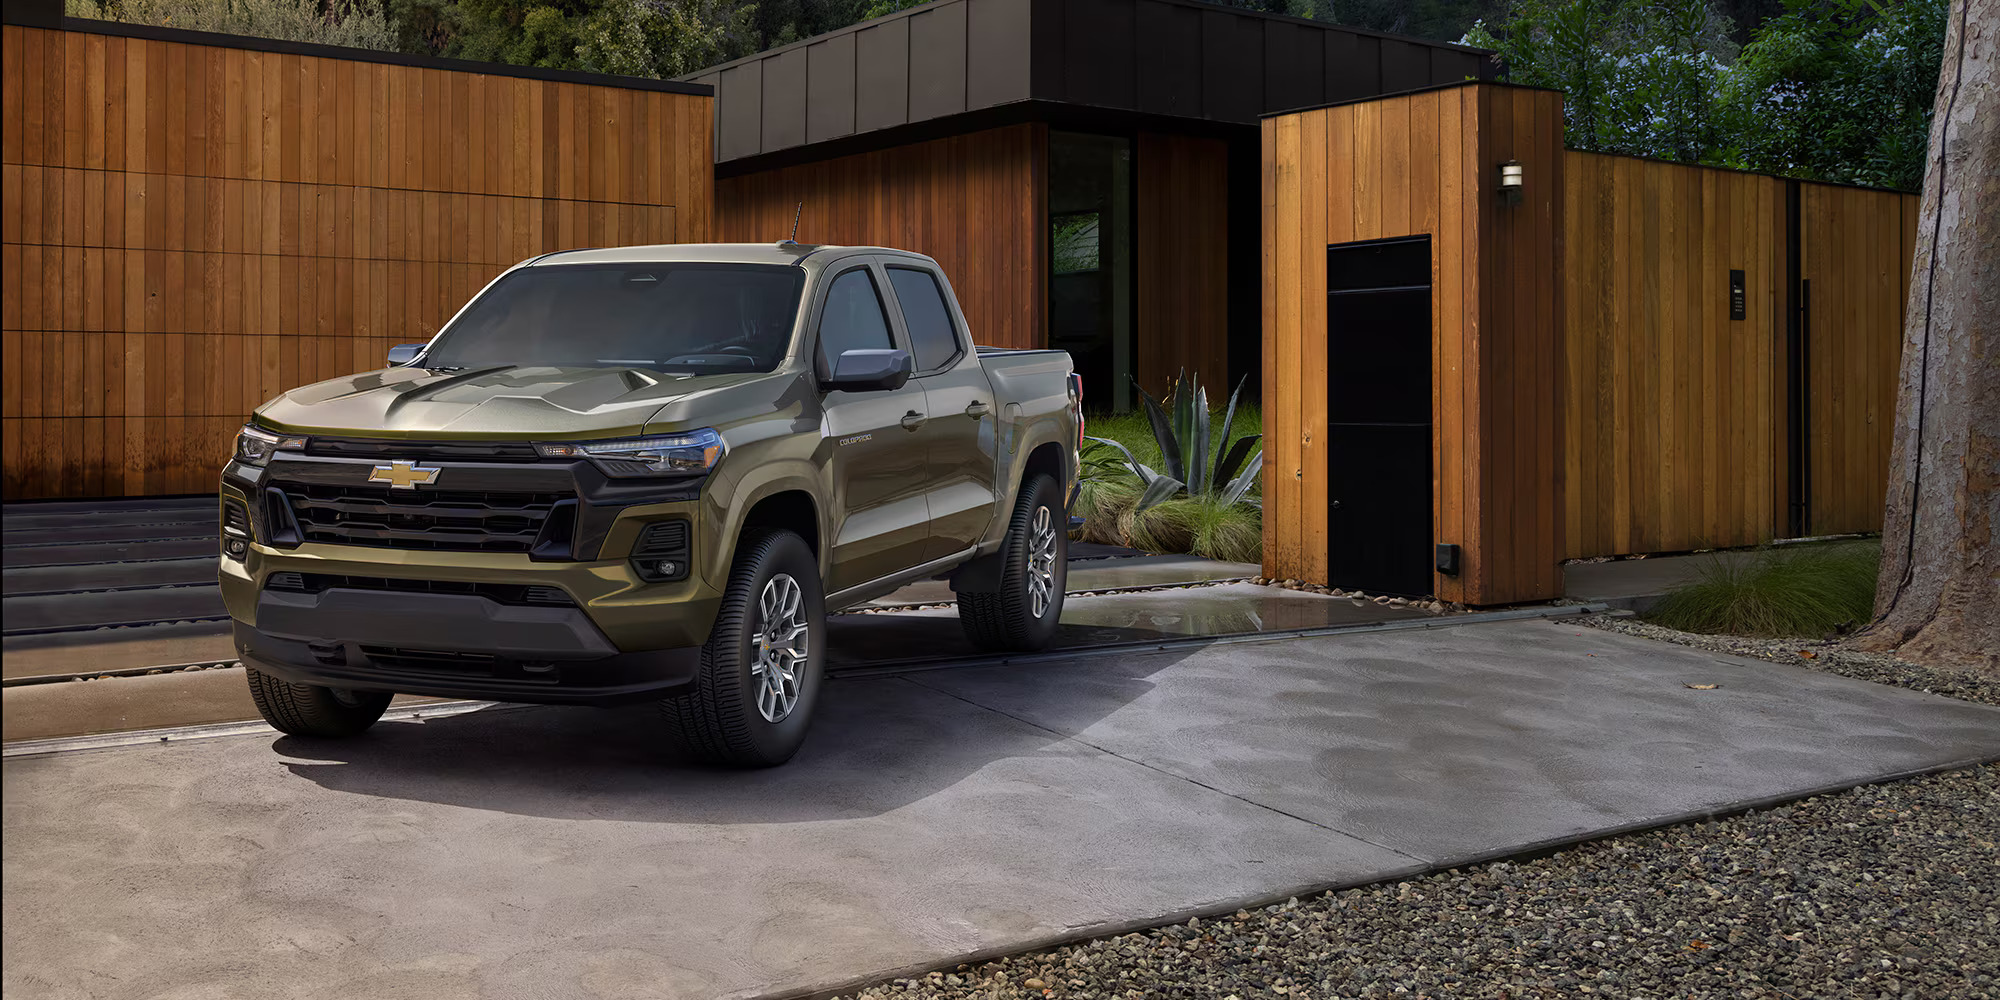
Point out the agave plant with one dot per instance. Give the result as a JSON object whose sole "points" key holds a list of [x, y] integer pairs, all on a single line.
{"points": [[1197, 462]]}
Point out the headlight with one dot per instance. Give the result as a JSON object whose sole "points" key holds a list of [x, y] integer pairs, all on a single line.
{"points": [[254, 445], [663, 454]]}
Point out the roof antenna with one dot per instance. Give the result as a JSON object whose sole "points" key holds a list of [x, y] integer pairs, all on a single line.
{"points": [[793, 239]]}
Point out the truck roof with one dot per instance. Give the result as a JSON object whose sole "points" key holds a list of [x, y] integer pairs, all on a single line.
{"points": [[709, 253]]}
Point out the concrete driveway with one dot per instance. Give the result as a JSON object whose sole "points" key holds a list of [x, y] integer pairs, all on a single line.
{"points": [[932, 817]]}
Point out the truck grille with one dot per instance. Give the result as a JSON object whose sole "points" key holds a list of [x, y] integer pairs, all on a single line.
{"points": [[458, 521]]}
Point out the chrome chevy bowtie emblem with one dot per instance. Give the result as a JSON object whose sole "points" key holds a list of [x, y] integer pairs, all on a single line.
{"points": [[402, 475]]}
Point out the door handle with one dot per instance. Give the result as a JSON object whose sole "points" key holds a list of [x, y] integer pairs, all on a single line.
{"points": [[976, 409], [913, 420]]}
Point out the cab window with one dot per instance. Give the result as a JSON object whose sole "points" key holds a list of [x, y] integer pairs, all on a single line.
{"points": [[852, 319], [933, 338]]}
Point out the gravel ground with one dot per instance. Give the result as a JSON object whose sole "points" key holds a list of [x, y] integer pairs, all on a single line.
{"points": [[1885, 891], [1819, 655]]}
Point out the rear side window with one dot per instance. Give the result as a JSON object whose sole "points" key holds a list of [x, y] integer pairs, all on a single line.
{"points": [[853, 319], [932, 339]]}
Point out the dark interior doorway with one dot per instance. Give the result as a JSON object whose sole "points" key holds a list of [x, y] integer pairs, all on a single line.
{"points": [[1378, 328], [1091, 275]]}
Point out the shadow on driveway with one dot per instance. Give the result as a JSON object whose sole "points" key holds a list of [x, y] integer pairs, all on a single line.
{"points": [[877, 744]]}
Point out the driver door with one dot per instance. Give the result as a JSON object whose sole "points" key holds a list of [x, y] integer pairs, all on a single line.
{"points": [[874, 457]]}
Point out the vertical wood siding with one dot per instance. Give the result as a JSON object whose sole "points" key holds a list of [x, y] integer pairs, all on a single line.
{"points": [[973, 202], [1676, 414], [1183, 244], [1855, 249], [191, 229], [1426, 164], [1674, 411]]}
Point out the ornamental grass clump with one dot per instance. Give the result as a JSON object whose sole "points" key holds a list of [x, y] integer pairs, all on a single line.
{"points": [[1807, 592], [1204, 496]]}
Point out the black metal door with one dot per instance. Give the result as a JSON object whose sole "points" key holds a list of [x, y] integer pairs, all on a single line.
{"points": [[1378, 321]]}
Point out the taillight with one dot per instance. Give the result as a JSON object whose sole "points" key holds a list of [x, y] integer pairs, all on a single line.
{"points": [[1076, 405]]}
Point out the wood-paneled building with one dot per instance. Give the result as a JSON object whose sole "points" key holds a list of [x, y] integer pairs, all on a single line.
{"points": [[194, 223], [1466, 385], [1086, 169]]}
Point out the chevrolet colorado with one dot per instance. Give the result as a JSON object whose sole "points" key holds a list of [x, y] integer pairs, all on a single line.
{"points": [[647, 473]]}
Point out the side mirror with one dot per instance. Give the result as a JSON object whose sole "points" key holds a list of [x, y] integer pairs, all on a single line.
{"points": [[403, 354], [870, 369]]}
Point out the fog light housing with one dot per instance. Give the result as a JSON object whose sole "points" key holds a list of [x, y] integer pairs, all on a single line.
{"points": [[661, 554], [235, 530]]}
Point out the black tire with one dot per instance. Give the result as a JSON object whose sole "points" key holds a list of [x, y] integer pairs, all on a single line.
{"points": [[314, 711], [1004, 620], [720, 719]]}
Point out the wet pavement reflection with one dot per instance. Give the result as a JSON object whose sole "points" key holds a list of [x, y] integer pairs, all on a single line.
{"points": [[1150, 616]]}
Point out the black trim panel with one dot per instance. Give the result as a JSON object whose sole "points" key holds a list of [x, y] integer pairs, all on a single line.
{"points": [[618, 679]]}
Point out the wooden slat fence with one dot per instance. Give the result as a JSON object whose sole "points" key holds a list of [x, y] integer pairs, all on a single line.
{"points": [[1676, 413], [192, 228], [1855, 249]]}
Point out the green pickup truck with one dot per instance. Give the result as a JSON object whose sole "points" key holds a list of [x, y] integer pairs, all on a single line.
{"points": [[648, 474]]}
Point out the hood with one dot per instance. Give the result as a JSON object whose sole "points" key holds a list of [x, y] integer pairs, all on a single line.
{"points": [[531, 403]]}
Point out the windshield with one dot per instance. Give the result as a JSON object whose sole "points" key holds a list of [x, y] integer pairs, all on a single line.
{"points": [[676, 317]]}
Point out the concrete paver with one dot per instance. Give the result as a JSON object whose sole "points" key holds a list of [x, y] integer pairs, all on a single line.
{"points": [[553, 852]]}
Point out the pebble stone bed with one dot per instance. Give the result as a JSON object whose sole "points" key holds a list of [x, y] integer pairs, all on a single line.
{"points": [[1827, 655], [1884, 891]]}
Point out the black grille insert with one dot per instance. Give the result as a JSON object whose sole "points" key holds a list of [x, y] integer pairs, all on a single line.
{"points": [[455, 520], [431, 660], [489, 451], [503, 593]]}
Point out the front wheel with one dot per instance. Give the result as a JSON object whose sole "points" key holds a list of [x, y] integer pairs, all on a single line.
{"points": [[312, 710], [759, 677], [1021, 615]]}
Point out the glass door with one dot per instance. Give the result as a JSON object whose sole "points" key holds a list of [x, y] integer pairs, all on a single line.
{"points": [[1091, 276]]}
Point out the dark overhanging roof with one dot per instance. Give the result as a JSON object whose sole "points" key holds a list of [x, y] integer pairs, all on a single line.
{"points": [[1157, 58]]}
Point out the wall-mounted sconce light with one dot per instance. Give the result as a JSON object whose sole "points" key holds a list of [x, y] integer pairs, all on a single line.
{"points": [[1510, 181]]}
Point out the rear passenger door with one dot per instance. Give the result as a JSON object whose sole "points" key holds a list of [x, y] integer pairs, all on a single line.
{"points": [[959, 439], [874, 452]]}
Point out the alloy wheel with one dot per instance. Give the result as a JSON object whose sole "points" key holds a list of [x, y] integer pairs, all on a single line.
{"points": [[1041, 562], [782, 645]]}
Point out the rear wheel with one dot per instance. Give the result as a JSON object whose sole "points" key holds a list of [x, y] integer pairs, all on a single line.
{"points": [[312, 710], [1021, 615], [760, 671]]}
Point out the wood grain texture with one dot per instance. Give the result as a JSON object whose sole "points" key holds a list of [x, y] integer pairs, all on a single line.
{"points": [[972, 202], [1425, 164], [1674, 413], [190, 230], [1855, 252], [1183, 298]]}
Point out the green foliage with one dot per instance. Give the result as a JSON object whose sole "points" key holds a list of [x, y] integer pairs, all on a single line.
{"points": [[1206, 526], [1800, 593], [354, 23], [1839, 90], [1124, 501], [883, 8], [1835, 90], [1195, 461], [652, 38]]}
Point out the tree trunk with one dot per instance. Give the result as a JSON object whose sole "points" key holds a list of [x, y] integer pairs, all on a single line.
{"points": [[1938, 597]]}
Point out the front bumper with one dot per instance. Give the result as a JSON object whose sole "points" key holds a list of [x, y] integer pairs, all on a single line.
{"points": [[452, 645], [454, 623]]}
